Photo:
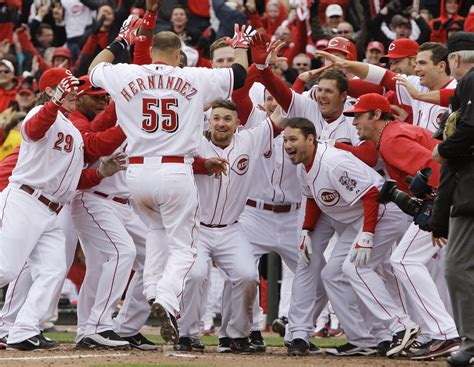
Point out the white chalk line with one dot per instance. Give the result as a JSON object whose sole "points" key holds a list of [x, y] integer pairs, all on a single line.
{"points": [[74, 356]]}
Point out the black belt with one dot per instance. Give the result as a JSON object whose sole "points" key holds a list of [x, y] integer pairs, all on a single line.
{"points": [[216, 225], [284, 208], [55, 207]]}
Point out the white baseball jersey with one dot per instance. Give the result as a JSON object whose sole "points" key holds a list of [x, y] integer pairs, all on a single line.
{"points": [[425, 115], [54, 163], [337, 181], [275, 178], [223, 198], [341, 129], [160, 107]]}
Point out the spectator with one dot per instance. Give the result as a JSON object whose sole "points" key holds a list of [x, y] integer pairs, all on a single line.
{"points": [[334, 16], [228, 15], [77, 16], [302, 63], [44, 38], [51, 21], [448, 20], [8, 15], [7, 84], [374, 52], [346, 30], [179, 25], [11, 134], [62, 58], [274, 15]]}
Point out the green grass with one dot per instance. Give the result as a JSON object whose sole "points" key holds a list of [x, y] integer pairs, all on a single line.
{"points": [[272, 341]]}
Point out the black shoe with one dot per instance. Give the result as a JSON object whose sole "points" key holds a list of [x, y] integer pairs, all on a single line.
{"points": [[279, 325], [138, 341], [313, 349], [438, 348], [256, 339], [241, 346], [106, 339], [402, 340], [33, 343], [50, 343], [3, 342], [349, 349], [298, 347], [460, 359], [83, 345], [187, 344], [169, 327], [224, 345], [383, 348]]}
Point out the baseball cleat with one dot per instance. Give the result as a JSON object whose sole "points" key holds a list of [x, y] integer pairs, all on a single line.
{"points": [[298, 347], [460, 359], [322, 332], [36, 342], [187, 344], [256, 339], [279, 325], [241, 346], [437, 348], [349, 349], [402, 340], [138, 341], [3, 342], [313, 349], [224, 345], [169, 327], [105, 339], [383, 347]]}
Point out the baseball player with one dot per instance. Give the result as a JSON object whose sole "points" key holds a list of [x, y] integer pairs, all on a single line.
{"points": [[36, 193], [415, 250], [431, 75], [162, 139]]}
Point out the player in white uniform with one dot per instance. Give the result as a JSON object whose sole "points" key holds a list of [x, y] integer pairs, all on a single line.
{"points": [[159, 107], [222, 237], [45, 178]]}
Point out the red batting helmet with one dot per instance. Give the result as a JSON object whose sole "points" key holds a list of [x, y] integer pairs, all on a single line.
{"points": [[343, 45]]}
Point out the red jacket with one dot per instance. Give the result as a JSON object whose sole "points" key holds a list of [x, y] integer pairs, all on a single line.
{"points": [[439, 26], [6, 97]]}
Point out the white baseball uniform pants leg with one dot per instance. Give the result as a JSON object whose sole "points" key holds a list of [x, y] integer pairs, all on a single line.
{"points": [[285, 290], [368, 284], [409, 260], [27, 221], [110, 253], [167, 194]]}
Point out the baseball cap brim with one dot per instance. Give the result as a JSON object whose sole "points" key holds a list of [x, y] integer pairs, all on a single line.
{"points": [[386, 57], [351, 113], [25, 90]]}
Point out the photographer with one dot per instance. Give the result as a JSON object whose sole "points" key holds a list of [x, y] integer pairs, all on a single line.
{"points": [[405, 150], [456, 151]]}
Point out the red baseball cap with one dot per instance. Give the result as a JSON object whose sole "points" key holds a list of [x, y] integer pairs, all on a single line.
{"points": [[62, 51], [375, 45], [87, 88], [343, 45], [401, 48], [370, 102], [52, 77], [321, 44]]}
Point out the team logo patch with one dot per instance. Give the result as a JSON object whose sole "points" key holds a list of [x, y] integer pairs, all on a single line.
{"points": [[348, 182], [329, 197], [241, 164], [391, 47]]}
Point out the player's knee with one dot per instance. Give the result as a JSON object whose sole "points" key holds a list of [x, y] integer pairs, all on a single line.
{"points": [[128, 254], [348, 269], [330, 274], [198, 275]]}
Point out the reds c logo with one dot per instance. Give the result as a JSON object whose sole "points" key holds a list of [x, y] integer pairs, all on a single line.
{"points": [[329, 197], [241, 164], [391, 47], [333, 43]]}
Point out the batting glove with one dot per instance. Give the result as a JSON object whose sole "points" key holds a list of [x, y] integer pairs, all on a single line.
{"points": [[361, 252], [111, 165], [242, 36], [128, 32], [306, 247], [65, 86]]}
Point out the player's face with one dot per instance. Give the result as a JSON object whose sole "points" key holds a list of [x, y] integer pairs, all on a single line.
{"points": [[428, 72], [223, 57], [365, 126], [222, 125], [330, 100], [91, 105], [270, 103], [297, 146], [405, 65]]}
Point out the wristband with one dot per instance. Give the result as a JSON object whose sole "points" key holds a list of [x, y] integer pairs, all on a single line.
{"points": [[116, 47], [149, 20]]}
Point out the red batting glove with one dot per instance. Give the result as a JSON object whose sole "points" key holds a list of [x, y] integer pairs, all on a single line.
{"points": [[128, 33], [65, 86], [261, 55], [242, 36]]}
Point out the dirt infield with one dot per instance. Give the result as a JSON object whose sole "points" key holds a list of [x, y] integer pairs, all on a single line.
{"points": [[66, 355]]}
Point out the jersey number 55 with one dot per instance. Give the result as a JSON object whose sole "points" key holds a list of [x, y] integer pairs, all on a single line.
{"points": [[158, 112]]}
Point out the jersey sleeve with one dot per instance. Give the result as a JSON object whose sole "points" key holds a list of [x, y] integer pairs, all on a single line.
{"points": [[104, 74], [261, 137], [214, 83], [351, 179], [403, 96], [301, 106]]}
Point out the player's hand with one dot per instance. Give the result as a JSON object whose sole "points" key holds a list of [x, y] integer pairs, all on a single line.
{"points": [[411, 90], [65, 87], [128, 33], [439, 241], [242, 36], [216, 166], [310, 75], [265, 52], [360, 254], [399, 113], [111, 165], [306, 248], [336, 61]]}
